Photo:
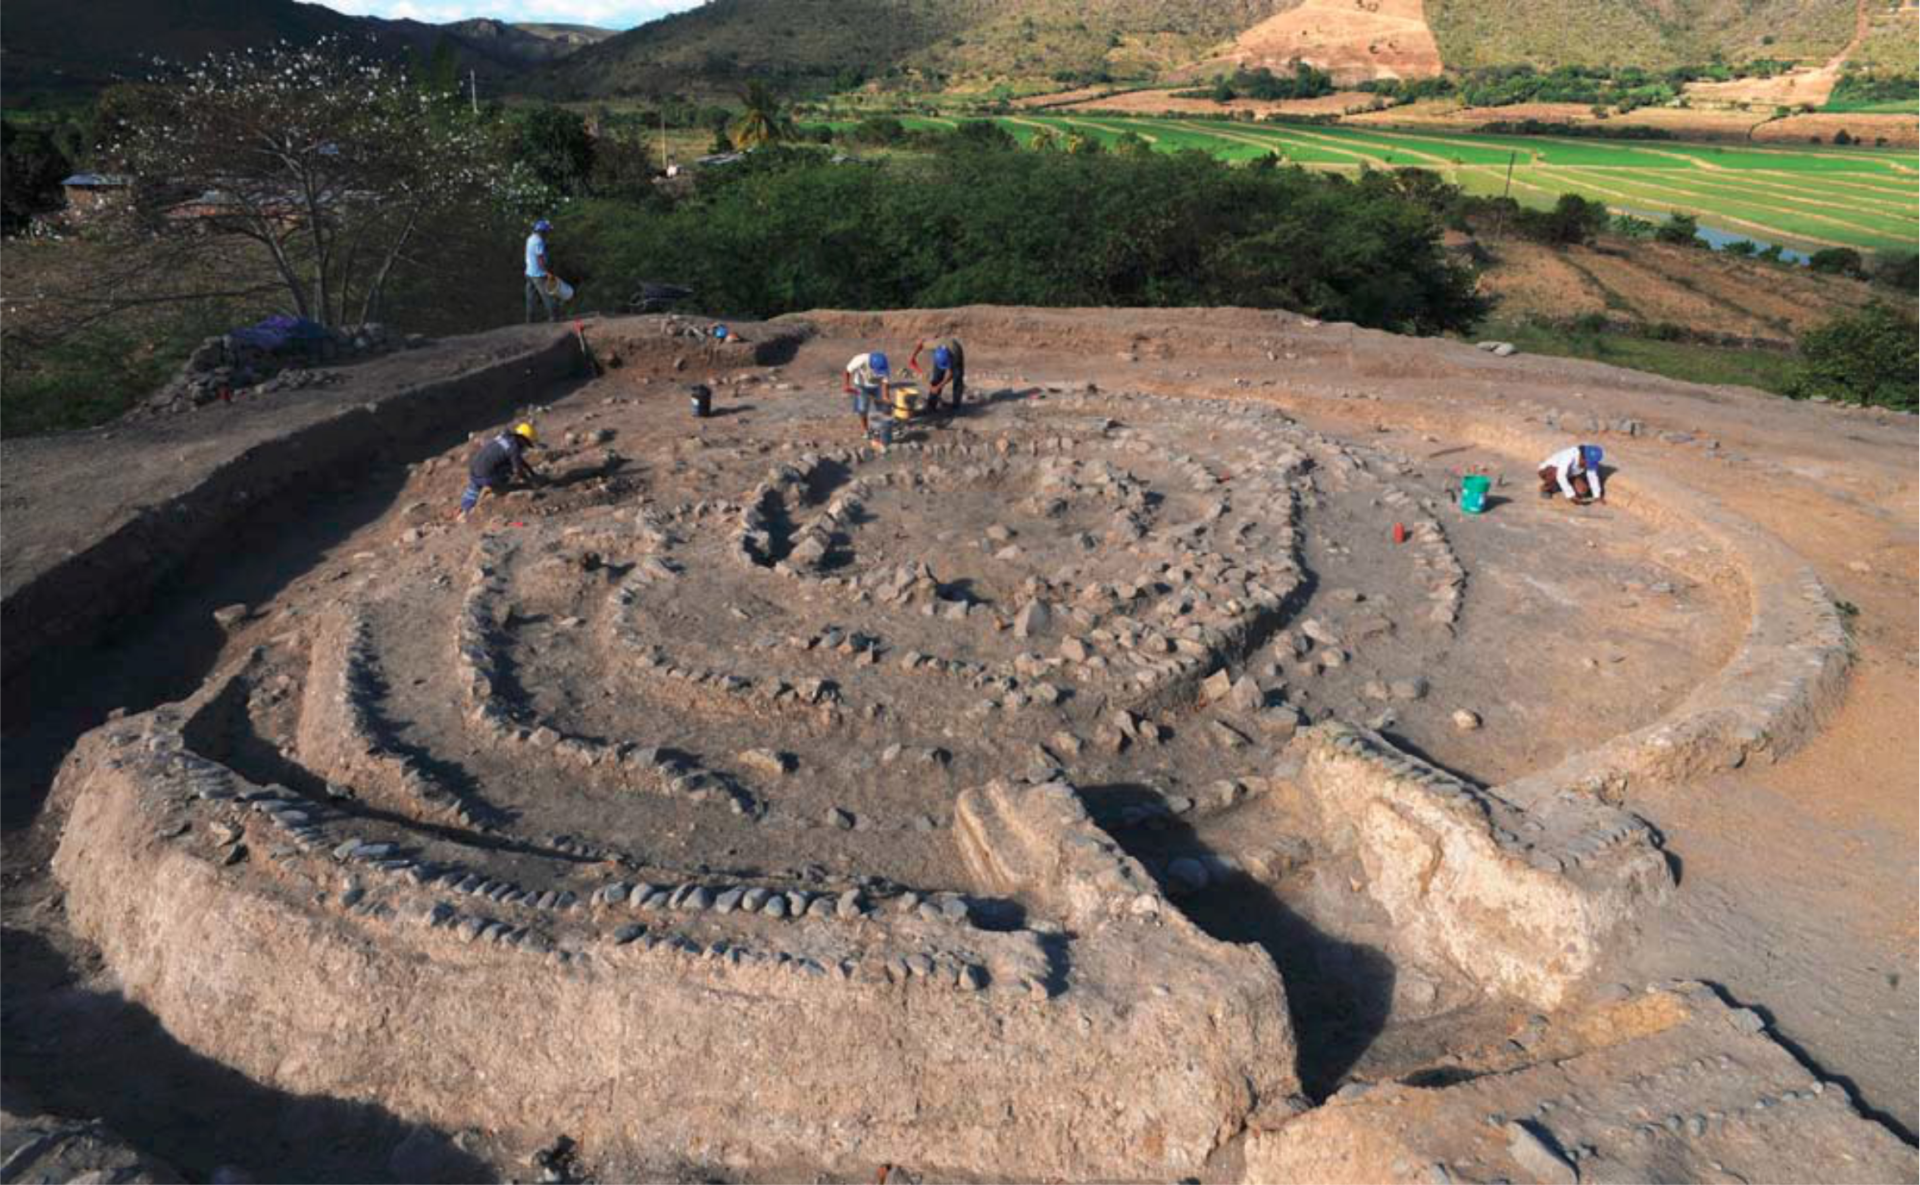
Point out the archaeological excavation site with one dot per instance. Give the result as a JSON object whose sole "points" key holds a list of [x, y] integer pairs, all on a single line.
{"points": [[1146, 772]]}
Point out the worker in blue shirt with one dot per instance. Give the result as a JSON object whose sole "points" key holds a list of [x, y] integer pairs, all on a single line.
{"points": [[537, 270], [497, 463]]}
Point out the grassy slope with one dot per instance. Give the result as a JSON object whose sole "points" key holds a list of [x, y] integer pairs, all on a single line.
{"points": [[719, 44], [973, 42], [1889, 47], [1687, 361], [1634, 32]]}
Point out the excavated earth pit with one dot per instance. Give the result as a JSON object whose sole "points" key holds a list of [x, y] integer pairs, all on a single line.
{"points": [[1079, 789]]}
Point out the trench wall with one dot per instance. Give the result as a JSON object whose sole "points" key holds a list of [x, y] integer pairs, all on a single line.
{"points": [[116, 575]]}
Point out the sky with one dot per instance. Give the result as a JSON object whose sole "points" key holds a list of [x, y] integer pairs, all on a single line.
{"points": [[608, 14]]}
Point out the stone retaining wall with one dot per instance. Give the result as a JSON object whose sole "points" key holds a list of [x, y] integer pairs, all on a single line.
{"points": [[1129, 1050]]}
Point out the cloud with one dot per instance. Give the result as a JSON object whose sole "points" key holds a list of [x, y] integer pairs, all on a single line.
{"points": [[611, 14]]}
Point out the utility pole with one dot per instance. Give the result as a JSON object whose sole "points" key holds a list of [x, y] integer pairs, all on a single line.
{"points": [[664, 164], [1509, 189], [473, 89]]}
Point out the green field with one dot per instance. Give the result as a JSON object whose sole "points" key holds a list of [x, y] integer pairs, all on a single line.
{"points": [[1869, 107], [1807, 198]]}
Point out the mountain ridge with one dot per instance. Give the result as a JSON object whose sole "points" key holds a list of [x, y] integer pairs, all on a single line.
{"points": [[44, 48]]}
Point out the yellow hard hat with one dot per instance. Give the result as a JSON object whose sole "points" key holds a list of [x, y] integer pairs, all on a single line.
{"points": [[526, 430]]}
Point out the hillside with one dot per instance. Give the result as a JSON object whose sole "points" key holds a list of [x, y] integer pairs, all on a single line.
{"points": [[721, 44], [1651, 33], [43, 48], [1353, 41], [970, 43]]}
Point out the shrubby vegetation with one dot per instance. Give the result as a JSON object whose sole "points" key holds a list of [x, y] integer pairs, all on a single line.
{"points": [[1868, 356], [1598, 131], [1680, 229], [1838, 261], [981, 223], [1306, 82], [33, 161], [1898, 270], [1408, 90], [1860, 90], [1621, 88]]}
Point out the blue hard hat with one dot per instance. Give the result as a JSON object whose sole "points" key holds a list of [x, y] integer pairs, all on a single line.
{"points": [[543, 225], [942, 357], [879, 363], [720, 331], [1590, 456]]}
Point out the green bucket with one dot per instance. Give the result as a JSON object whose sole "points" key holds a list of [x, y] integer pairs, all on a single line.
{"points": [[1473, 493]]}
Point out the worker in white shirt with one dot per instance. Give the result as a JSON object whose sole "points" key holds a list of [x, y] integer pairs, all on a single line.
{"points": [[1575, 473], [868, 380]]}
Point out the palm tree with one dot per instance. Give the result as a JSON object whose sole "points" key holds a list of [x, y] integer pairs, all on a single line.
{"points": [[762, 121]]}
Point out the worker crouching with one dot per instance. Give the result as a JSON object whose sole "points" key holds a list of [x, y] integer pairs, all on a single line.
{"points": [[947, 384], [1574, 473], [498, 463]]}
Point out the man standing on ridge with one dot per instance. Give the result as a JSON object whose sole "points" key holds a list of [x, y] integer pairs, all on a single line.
{"points": [[497, 463], [949, 371], [537, 270]]}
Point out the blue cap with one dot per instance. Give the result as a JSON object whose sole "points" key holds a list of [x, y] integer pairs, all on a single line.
{"points": [[879, 363], [942, 357], [543, 225], [1590, 456], [720, 331]]}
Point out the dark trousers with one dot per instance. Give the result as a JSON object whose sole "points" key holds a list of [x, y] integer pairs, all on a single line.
{"points": [[1550, 483], [955, 390]]}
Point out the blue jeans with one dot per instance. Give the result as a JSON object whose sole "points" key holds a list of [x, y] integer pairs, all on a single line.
{"points": [[864, 398], [538, 288], [475, 487]]}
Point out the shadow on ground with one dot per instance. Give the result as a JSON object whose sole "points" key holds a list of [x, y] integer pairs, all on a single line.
{"points": [[1339, 993], [63, 1040]]}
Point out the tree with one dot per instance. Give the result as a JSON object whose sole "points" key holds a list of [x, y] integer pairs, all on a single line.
{"points": [[1899, 270], [879, 131], [1682, 229], [552, 142], [31, 169], [329, 169], [763, 121], [1575, 221], [1867, 356], [1837, 261]]}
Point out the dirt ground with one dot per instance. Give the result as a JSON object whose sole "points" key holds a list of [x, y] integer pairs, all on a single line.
{"points": [[1797, 892], [1649, 283]]}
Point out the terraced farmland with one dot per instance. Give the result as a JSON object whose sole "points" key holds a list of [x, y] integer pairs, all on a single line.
{"points": [[1808, 197]]}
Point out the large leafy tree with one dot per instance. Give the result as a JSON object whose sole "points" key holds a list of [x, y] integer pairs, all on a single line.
{"points": [[331, 171], [553, 143], [1862, 356], [31, 167]]}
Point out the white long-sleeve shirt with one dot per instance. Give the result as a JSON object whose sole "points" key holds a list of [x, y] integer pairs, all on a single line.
{"points": [[1565, 464]]}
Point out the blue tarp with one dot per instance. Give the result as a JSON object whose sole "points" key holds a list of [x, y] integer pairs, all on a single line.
{"points": [[278, 332]]}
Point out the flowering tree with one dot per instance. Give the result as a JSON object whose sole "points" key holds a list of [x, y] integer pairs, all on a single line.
{"points": [[332, 171]]}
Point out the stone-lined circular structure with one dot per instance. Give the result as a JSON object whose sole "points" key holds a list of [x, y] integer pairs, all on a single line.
{"points": [[1010, 803]]}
